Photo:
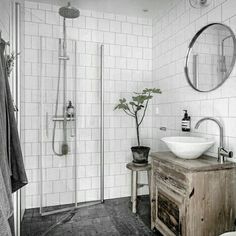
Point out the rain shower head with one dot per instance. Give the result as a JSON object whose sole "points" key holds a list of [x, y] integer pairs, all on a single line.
{"points": [[199, 3], [69, 11]]}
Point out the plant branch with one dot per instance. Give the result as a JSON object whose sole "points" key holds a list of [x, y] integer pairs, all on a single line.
{"points": [[130, 111], [133, 109], [137, 128], [144, 113], [129, 114]]}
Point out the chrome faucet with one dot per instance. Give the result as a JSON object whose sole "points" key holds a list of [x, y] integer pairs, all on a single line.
{"points": [[222, 153]]}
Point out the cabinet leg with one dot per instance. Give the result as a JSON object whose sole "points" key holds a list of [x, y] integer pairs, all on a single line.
{"points": [[134, 191]]}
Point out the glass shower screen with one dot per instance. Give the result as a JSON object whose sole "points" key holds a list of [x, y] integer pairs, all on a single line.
{"points": [[74, 179]]}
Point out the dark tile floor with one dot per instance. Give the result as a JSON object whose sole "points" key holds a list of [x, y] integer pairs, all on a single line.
{"points": [[113, 218]]}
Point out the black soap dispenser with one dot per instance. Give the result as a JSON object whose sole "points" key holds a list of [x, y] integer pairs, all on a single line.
{"points": [[186, 122]]}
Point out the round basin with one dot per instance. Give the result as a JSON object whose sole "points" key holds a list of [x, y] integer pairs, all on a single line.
{"points": [[229, 234], [188, 147]]}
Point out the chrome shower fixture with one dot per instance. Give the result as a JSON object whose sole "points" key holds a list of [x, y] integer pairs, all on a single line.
{"points": [[199, 3], [67, 12]]}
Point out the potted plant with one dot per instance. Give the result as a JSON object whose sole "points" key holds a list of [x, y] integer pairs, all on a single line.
{"points": [[137, 108]]}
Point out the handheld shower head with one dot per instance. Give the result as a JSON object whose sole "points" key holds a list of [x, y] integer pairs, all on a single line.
{"points": [[69, 12]]}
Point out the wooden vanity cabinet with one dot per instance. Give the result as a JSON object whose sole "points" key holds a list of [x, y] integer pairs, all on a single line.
{"points": [[192, 197]]}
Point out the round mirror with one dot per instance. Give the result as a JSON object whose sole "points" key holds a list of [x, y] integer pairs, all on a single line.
{"points": [[211, 57]]}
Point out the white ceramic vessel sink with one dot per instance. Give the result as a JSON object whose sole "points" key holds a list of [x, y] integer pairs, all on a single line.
{"points": [[229, 234], [188, 147]]}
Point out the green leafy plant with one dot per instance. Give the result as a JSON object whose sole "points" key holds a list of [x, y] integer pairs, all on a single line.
{"points": [[138, 106]]}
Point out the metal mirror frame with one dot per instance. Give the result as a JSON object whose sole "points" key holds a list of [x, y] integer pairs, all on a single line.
{"points": [[190, 49]]}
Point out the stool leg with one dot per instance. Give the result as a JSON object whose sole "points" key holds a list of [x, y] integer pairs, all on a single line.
{"points": [[149, 183], [132, 186], [134, 190]]}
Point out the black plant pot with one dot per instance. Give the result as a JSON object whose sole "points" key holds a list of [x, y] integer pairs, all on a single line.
{"points": [[140, 154]]}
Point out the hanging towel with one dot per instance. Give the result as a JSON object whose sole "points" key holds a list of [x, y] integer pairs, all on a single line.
{"points": [[16, 164], [6, 206]]}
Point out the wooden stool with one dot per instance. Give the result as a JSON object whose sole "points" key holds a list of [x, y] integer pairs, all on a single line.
{"points": [[134, 179]]}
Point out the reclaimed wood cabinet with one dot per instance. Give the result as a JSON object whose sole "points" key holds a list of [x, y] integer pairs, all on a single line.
{"points": [[192, 197]]}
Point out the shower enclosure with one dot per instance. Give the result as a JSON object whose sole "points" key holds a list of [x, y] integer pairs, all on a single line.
{"points": [[68, 168]]}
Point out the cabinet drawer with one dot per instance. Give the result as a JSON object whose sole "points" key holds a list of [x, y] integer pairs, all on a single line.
{"points": [[171, 177]]}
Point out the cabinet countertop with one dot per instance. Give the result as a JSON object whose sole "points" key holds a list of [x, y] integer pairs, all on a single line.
{"points": [[203, 163]]}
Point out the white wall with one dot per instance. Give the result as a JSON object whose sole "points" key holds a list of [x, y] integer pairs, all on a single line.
{"points": [[5, 18], [172, 33], [128, 43], [128, 67]]}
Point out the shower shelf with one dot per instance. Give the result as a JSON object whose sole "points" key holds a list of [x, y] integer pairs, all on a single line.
{"points": [[61, 118]]}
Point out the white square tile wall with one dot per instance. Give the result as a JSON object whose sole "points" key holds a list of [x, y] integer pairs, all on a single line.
{"points": [[139, 53], [5, 19], [128, 68], [172, 32]]}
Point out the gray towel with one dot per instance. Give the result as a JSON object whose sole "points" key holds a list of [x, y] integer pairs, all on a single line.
{"points": [[6, 210], [16, 164], [6, 206]]}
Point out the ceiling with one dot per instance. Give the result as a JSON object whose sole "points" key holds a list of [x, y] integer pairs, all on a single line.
{"points": [[126, 7]]}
